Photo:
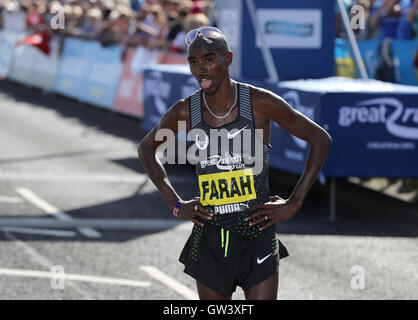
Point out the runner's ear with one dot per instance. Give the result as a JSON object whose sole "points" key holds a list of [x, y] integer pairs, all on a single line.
{"points": [[228, 58]]}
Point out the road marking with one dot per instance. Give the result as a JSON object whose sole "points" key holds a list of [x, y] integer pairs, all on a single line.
{"points": [[46, 232], [35, 256], [5, 199], [105, 224], [73, 277], [54, 211], [170, 282]]}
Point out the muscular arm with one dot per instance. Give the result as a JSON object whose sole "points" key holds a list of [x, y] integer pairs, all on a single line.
{"points": [[270, 106], [148, 146]]}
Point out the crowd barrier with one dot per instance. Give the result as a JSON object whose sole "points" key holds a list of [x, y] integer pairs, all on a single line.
{"points": [[7, 44], [89, 72], [403, 52]]}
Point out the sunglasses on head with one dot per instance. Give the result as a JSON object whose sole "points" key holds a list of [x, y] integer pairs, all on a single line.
{"points": [[206, 32]]}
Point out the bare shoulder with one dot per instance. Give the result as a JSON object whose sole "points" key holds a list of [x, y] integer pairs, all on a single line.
{"points": [[266, 102], [179, 111]]}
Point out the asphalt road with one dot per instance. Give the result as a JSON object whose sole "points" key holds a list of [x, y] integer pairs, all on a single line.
{"points": [[80, 220]]}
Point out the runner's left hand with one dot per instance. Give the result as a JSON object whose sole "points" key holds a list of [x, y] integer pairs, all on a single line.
{"points": [[276, 210]]}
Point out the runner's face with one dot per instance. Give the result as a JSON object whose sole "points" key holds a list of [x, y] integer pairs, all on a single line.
{"points": [[208, 65]]}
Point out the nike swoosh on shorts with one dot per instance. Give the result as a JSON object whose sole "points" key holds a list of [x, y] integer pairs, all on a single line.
{"points": [[259, 261]]}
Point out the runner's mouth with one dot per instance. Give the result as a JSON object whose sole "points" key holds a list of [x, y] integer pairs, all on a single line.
{"points": [[205, 83]]}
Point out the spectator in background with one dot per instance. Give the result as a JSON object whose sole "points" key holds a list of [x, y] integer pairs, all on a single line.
{"points": [[389, 17], [367, 32], [155, 21], [176, 26], [197, 7], [339, 28], [135, 5], [92, 24], [34, 20], [193, 21], [116, 31], [76, 19], [151, 23], [413, 18]]}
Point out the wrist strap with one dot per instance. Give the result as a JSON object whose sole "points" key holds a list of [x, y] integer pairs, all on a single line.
{"points": [[177, 208]]}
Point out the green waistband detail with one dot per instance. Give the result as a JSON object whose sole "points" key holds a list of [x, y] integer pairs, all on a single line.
{"points": [[222, 237], [227, 242], [223, 242]]}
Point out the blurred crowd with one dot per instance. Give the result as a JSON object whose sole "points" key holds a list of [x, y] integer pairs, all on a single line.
{"points": [[152, 23], [393, 19], [164, 23]]}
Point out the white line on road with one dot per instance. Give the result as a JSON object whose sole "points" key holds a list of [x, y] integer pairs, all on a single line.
{"points": [[54, 211], [5, 199], [73, 277], [46, 232], [44, 262], [170, 282]]}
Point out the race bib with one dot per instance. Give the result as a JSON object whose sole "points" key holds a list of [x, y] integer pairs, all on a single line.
{"points": [[227, 187]]}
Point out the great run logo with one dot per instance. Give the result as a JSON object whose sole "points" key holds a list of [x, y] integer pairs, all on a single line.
{"points": [[227, 162], [400, 121]]}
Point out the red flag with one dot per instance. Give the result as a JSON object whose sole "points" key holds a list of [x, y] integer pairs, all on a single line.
{"points": [[39, 40]]}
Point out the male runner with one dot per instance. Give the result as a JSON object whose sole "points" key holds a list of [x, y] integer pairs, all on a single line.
{"points": [[233, 242]]}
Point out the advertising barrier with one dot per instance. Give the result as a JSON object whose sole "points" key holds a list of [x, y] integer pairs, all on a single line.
{"points": [[374, 126], [34, 68], [89, 72], [8, 40]]}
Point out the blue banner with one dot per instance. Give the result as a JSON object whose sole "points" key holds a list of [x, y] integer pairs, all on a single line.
{"points": [[373, 124], [373, 134], [293, 30]]}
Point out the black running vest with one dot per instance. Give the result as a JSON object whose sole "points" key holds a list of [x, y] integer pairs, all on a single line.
{"points": [[232, 166]]}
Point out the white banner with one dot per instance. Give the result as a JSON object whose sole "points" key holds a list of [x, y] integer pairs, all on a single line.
{"points": [[291, 28]]}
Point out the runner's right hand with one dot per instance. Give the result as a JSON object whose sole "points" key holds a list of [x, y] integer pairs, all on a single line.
{"points": [[187, 211]]}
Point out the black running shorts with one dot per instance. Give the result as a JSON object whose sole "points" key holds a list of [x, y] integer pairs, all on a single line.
{"points": [[223, 260]]}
